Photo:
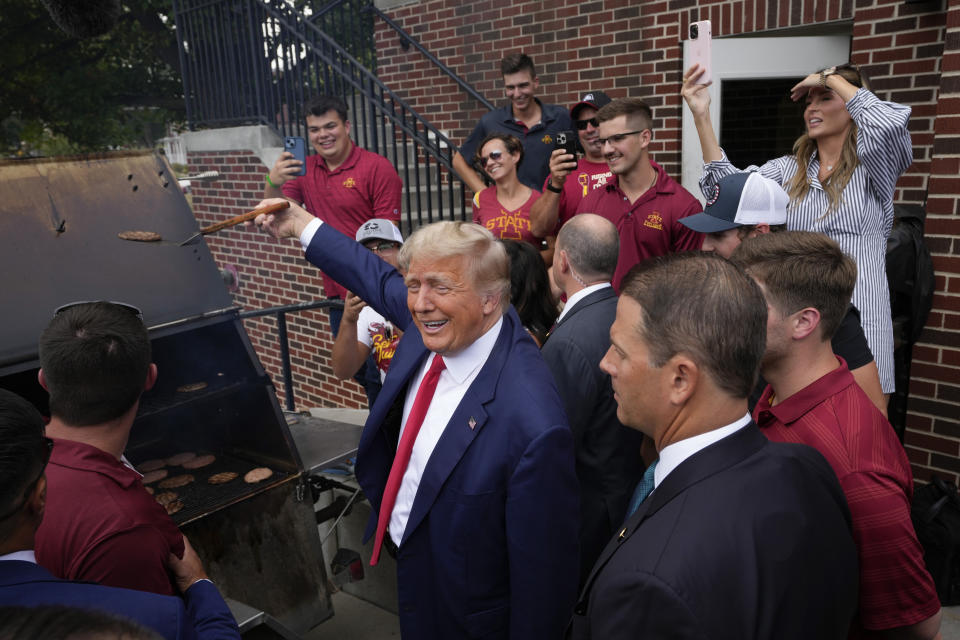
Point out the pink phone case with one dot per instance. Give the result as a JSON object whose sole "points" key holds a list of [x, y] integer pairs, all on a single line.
{"points": [[700, 49]]}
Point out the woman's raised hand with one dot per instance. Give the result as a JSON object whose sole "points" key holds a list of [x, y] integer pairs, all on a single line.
{"points": [[696, 95]]}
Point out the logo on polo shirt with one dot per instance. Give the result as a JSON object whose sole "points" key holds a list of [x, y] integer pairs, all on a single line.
{"points": [[350, 183], [546, 139], [654, 221]]}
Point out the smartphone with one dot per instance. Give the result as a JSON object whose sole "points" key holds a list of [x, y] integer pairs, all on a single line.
{"points": [[298, 147], [569, 141], [700, 36]]}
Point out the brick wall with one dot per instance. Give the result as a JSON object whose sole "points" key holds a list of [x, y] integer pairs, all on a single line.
{"points": [[271, 274]]}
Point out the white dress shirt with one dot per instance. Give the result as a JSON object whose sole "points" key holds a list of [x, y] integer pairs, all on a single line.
{"points": [[25, 556], [674, 454], [460, 372], [580, 295]]}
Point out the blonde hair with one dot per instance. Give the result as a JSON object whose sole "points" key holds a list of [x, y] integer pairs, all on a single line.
{"points": [[803, 148], [485, 258]]}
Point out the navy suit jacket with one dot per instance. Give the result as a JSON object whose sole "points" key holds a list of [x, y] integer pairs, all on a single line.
{"points": [[609, 464], [201, 614], [746, 539], [490, 547]]}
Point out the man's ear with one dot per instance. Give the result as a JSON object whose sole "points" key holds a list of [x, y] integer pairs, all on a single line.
{"points": [[684, 376], [37, 502], [645, 138], [759, 230], [804, 323], [42, 379], [151, 377], [490, 302]]}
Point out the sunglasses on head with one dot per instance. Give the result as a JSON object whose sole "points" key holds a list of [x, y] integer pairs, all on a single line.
{"points": [[494, 155], [123, 305], [581, 125]]}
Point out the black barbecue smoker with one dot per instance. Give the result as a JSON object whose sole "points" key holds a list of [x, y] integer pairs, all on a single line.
{"points": [[60, 220]]}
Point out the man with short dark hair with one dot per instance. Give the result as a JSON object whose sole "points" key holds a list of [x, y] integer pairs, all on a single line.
{"points": [[534, 123], [642, 201], [734, 537], [812, 398], [24, 451], [571, 179], [466, 457], [609, 463], [101, 525]]}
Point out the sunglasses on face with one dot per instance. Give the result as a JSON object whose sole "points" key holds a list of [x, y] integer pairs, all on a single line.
{"points": [[582, 124], [380, 247], [617, 138], [123, 305], [47, 450], [494, 156]]}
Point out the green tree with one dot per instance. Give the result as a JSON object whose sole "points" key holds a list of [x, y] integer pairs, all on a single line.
{"points": [[61, 93]]}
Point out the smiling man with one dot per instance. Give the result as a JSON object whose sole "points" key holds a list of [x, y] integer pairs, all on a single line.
{"points": [[466, 457], [642, 201], [535, 123]]}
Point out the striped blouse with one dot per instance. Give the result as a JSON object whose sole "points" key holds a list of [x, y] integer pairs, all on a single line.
{"points": [[862, 222]]}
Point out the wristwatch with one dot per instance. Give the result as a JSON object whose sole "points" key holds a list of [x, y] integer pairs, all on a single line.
{"points": [[824, 73], [550, 187]]}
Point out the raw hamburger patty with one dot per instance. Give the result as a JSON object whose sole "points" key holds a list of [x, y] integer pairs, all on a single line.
{"points": [[222, 478], [180, 458], [166, 497], [153, 476], [139, 236], [176, 481], [173, 507], [151, 465], [199, 461], [193, 386], [257, 475]]}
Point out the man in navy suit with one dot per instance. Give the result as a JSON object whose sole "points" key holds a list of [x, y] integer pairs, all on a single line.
{"points": [[741, 538], [480, 504], [609, 463], [24, 452]]}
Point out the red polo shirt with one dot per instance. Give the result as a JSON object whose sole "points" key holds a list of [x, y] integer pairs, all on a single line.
{"points": [[835, 417], [365, 186], [650, 226], [584, 180], [506, 225], [100, 524]]}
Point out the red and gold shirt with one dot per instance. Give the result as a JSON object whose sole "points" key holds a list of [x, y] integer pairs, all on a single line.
{"points": [[506, 225]]}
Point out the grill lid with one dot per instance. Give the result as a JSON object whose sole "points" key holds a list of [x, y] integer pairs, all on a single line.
{"points": [[59, 219]]}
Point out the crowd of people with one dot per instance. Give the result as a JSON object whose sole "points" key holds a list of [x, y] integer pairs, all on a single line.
{"points": [[600, 410]]}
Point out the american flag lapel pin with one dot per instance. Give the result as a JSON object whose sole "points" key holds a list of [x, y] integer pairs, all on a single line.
{"points": [[472, 423]]}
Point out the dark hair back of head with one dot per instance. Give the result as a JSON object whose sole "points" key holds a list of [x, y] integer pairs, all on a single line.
{"points": [[638, 112], [320, 105], [800, 269], [517, 62], [530, 288], [21, 447], [95, 359], [701, 305], [592, 245], [58, 622]]}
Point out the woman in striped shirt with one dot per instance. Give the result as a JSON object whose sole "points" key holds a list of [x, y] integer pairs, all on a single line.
{"points": [[840, 178]]}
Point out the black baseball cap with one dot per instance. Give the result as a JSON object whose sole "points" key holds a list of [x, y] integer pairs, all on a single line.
{"points": [[594, 99]]}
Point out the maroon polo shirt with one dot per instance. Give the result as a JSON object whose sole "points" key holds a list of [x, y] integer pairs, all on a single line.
{"points": [[506, 225], [584, 180], [101, 525], [835, 417], [650, 226], [365, 186]]}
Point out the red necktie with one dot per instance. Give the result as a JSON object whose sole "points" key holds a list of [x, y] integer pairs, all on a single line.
{"points": [[414, 421]]}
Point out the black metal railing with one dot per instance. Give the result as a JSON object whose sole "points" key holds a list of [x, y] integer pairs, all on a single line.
{"points": [[259, 61], [280, 313]]}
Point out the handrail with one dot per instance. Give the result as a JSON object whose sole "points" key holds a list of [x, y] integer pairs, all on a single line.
{"points": [[407, 38]]}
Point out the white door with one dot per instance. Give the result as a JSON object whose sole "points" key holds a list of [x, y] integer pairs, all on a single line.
{"points": [[754, 59]]}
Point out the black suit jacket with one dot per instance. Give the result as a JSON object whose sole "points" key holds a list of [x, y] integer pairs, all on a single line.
{"points": [[746, 539], [609, 464]]}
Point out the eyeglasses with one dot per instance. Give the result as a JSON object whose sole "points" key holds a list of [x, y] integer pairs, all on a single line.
{"points": [[617, 138], [494, 155], [581, 125], [380, 247], [123, 305], [47, 450]]}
